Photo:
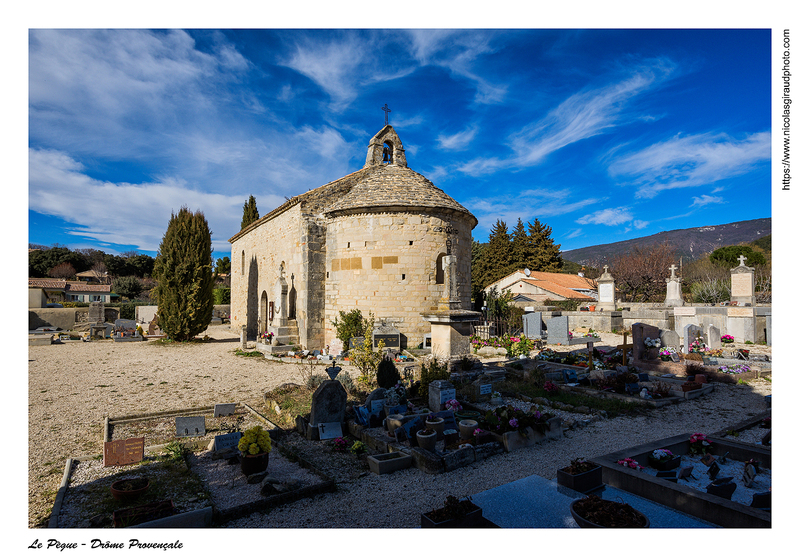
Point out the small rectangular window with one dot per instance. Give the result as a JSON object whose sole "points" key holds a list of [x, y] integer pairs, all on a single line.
{"points": [[411, 242], [404, 277]]}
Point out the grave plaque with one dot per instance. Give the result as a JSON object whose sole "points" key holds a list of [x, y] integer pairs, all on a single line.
{"points": [[362, 415], [439, 392], [675, 357], [449, 419], [330, 430], [713, 470], [411, 427], [224, 409], [227, 441], [749, 475], [708, 459], [741, 284], [486, 389], [376, 406], [685, 472], [124, 451], [190, 426]]}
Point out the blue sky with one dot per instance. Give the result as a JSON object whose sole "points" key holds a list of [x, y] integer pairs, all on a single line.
{"points": [[605, 135]]}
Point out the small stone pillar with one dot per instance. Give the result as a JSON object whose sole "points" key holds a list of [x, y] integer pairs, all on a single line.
{"points": [[606, 292], [674, 297]]}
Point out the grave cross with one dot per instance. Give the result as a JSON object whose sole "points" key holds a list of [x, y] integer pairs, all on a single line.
{"points": [[672, 270], [386, 111], [624, 347], [742, 259]]}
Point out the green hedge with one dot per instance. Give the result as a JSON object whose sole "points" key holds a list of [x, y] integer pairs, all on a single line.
{"points": [[222, 296]]}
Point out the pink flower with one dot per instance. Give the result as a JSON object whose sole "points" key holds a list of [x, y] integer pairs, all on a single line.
{"points": [[513, 422]]}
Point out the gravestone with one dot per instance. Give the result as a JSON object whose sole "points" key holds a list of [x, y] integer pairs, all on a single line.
{"points": [[190, 426], [642, 331], [123, 452], [378, 394], [97, 312], [224, 409], [532, 325], [674, 297], [606, 291], [743, 283], [558, 330], [227, 441], [387, 333], [335, 348], [690, 334], [671, 338], [328, 403], [439, 392], [714, 341]]}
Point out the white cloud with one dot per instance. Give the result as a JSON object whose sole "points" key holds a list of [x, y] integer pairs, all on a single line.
{"points": [[706, 200], [689, 161], [639, 224], [609, 217], [457, 141], [121, 213], [574, 234]]}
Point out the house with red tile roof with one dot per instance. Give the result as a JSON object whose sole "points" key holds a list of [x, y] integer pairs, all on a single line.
{"points": [[43, 291], [537, 286]]}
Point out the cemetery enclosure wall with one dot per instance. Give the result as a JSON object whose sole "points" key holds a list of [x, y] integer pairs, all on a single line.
{"points": [[64, 318], [385, 261]]}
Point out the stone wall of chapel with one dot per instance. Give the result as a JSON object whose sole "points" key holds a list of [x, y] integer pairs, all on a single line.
{"points": [[281, 239], [385, 262]]}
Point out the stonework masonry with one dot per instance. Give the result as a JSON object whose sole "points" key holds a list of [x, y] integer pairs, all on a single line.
{"points": [[372, 240]]}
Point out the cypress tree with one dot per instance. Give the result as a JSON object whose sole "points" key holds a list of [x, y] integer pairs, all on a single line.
{"points": [[250, 212], [546, 253], [496, 258], [185, 290]]}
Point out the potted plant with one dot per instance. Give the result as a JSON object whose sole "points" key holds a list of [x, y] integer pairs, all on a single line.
{"points": [[630, 463], [664, 459], [129, 489], [594, 512], [426, 439], [699, 444], [726, 339], [435, 423], [255, 446], [665, 354], [456, 513], [651, 344], [581, 475]]}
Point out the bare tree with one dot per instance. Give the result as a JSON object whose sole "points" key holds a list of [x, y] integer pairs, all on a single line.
{"points": [[641, 274], [62, 271], [100, 273]]}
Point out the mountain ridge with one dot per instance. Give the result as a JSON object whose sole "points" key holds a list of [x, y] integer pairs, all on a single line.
{"points": [[689, 243]]}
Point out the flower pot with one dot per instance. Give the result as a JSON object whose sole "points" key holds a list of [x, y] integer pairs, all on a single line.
{"points": [[669, 464], [427, 442], [254, 463], [687, 387], [583, 482], [472, 519], [591, 308], [611, 514], [436, 424], [664, 358], [129, 489], [467, 415], [466, 427]]}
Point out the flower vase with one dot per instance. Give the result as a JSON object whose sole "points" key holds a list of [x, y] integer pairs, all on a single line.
{"points": [[427, 441], [466, 428], [254, 463], [436, 424]]}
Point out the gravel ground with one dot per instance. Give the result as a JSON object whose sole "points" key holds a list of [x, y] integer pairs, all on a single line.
{"points": [[74, 386]]}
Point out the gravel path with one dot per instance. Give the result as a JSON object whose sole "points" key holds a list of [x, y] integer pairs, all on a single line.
{"points": [[73, 387]]}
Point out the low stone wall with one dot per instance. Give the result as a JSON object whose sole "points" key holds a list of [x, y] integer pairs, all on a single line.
{"points": [[65, 318]]}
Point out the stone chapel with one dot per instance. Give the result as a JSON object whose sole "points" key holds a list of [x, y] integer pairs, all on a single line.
{"points": [[373, 240]]}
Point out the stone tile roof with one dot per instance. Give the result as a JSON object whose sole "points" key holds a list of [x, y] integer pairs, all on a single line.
{"points": [[75, 286], [53, 284], [394, 186], [562, 291]]}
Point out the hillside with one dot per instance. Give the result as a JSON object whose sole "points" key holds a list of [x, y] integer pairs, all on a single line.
{"points": [[689, 243]]}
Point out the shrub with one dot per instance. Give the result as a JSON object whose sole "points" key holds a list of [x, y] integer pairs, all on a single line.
{"points": [[365, 358], [349, 325], [387, 375], [431, 372], [222, 296]]}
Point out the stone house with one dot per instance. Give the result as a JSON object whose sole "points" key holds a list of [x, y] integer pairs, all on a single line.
{"points": [[44, 291], [537, 286], [372, 240]]}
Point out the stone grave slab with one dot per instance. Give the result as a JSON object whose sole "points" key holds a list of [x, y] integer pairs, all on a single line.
{"points": [[328, 403], [330, 430], [714, 341], [558, 330], [690, 333], [377, 394], [641, 332], [227, 441], [190, 426], [224, 409], [123, 452], [439, 392], [671, 338], [532, 325]]}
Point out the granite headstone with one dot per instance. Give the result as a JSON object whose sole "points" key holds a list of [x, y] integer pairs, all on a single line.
{"points": [[558, 330], [328, 403]]}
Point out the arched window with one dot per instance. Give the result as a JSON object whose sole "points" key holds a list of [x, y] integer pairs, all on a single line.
{"points": [[388, 152], [439, 269], [242, 262]]}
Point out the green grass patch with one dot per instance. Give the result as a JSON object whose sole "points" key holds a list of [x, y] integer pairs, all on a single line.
{"points": [[246, 354]]}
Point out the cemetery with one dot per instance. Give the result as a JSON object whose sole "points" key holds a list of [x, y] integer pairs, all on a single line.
{"points": [[467, 403]]}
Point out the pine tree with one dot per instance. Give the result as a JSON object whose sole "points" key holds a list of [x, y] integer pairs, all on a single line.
{"points": [[183, 271], [546, 253], [250, 212]]}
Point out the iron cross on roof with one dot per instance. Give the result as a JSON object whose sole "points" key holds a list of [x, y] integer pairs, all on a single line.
{"points": [[386, 111]]}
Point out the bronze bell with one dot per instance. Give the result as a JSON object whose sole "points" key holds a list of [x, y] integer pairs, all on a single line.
{"points": [[385, 155]]}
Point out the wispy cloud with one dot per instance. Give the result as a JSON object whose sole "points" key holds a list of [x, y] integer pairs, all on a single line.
{"points": [[458, 141], [609, 217], [689, 161], [122, 213], [706, 200]]}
